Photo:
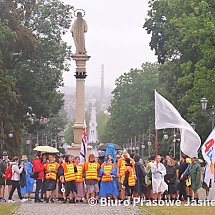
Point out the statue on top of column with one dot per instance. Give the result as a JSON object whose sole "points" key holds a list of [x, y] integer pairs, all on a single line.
{"points": [[78, 29]]}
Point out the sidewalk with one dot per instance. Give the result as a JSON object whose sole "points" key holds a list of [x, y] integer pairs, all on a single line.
{"points": [[58, 209]]}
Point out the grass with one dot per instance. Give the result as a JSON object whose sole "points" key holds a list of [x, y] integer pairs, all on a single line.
{"points": [[177, 210], [7, 209]]}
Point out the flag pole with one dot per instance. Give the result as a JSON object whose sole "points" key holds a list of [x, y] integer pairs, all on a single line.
{"points": [[156, 142]]}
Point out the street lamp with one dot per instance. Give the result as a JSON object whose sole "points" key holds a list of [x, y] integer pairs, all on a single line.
{"points": [[150, 143], [204, 103], [193, 125], [165, 136], [30, 141], [175, 139], [149, 147]]}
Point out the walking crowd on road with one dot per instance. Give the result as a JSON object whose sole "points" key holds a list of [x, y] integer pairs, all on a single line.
{"points": [[119, 177]]}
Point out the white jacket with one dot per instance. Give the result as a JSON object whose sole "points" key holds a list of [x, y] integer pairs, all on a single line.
{"points": [[158, 171], [16, 171]]}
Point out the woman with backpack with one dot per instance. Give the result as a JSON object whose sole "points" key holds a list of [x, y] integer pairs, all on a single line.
{"points": [[15, 179]]}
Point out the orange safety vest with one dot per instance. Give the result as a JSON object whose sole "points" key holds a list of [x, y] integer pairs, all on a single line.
{"points": [[107, 169], [52, 167], [131, 177], [79, 173], [68, 171], [121, 165], [91, 169]]}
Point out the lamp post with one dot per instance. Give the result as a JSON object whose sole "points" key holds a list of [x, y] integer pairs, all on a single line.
{"points": [[150, 142], [193, 125], [175, 140], [165, 135], [204, 103], [143, 147], [149, 147], [138, 147], [30, 140]]}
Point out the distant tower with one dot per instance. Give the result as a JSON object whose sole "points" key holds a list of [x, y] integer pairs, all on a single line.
{"points": [[102, 89]]}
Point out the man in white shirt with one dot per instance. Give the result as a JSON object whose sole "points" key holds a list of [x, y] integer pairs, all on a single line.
{"points": [[158, 172]]}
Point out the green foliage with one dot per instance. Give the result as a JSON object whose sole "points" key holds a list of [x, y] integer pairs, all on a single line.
{"points": [[69, 134], [8, 96], [132, 107], [40, 76], [33, 58], [183, 35], [102, 120]]}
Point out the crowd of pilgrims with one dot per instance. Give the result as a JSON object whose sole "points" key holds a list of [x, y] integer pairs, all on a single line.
{"points": [[126, 176]]}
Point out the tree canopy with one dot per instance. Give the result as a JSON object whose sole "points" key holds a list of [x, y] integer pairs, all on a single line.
{"points": [[183, 36], [33, 57], [132, 106]]}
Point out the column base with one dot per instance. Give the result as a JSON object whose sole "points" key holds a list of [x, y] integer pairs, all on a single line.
{"points": [[74, 150], [78, 133]]}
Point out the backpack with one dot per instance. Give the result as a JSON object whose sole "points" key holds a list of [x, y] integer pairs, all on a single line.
{"points": [[8, 172], [150, 175], [22, 181]]}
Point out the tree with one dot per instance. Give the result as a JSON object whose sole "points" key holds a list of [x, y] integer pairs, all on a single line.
{"points": [[8, 96], [41, 76], [132, 107], [33, 57], [102, 120], [183, 35], [69, 134]]}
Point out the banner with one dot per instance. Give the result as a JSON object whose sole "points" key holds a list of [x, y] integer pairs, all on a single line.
{"points": [[166, 116], [208, 152]]}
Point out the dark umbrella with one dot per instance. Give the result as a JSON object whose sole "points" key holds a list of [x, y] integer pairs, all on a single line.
{"points": [[104, 146]]}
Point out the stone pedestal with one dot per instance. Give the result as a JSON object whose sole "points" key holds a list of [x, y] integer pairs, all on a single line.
{"points": [[80, 75]]}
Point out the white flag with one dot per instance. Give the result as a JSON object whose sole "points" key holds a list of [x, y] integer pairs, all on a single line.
{"points": [[83, 152], [166, 116], [208, 152]]}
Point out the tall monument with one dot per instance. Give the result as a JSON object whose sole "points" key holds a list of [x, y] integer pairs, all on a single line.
{"points": [[78, 30]]}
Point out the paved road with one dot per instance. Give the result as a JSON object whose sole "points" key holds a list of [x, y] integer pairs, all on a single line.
{"points": [[31, 208], [79, 209]]}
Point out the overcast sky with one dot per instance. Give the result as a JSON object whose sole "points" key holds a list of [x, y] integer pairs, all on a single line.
{"points": [[115, 38]]}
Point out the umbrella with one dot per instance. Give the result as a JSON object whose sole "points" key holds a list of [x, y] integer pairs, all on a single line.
{"points": [[104, 146], [47, 149]]}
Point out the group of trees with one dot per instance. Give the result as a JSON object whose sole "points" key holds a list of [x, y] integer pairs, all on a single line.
{"points": [[183, 38], [33, 57]]}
